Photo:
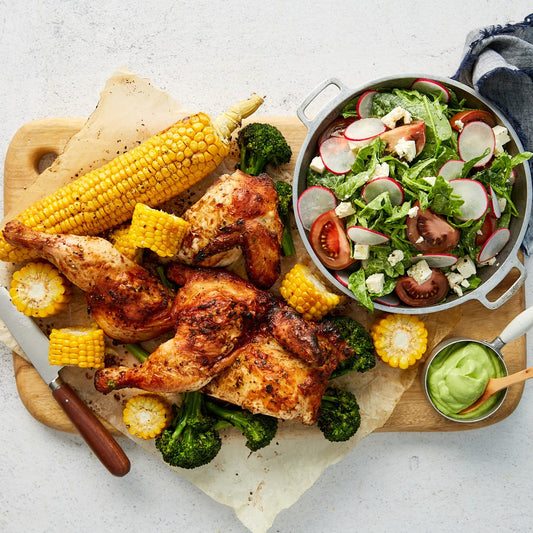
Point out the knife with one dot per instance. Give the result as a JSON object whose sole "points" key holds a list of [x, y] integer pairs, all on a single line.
{"points": [[34, 344]]}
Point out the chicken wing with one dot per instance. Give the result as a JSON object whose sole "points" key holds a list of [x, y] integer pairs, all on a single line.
{"points": [[237, 215], [123, 298]]}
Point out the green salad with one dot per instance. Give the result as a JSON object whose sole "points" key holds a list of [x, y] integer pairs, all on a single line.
{"points": [[410, 193]]}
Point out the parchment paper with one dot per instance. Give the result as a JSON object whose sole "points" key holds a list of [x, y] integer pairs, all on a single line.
{"points": [[256, 485]]}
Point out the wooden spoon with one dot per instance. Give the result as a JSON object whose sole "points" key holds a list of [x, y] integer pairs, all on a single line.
{"points": [[496, 384]]}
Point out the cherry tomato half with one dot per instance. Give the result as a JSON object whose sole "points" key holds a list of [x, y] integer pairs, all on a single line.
{"points": [[488, 227], [329, 241], [471, 115], [431, 233], [416, 131], [430, 292]]}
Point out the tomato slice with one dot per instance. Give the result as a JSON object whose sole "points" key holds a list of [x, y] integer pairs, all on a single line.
{"points": [[471, 115], [488, 227], [416, 131], [335, 128], [430, 292], [329, 241], [431, 233]]}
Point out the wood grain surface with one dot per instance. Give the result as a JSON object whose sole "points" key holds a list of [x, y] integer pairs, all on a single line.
{"points": [[43, 137]]}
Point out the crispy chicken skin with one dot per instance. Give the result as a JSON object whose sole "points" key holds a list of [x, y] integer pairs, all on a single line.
{"points": [[266, 378], [213, 312], [237, 214], [123, 298]]}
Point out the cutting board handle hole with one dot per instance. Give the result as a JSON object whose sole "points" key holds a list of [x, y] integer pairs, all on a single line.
{"points": [[45, 160]]}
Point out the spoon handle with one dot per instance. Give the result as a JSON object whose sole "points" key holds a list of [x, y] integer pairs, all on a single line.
{"points": [[501, 383], [518, 326]]}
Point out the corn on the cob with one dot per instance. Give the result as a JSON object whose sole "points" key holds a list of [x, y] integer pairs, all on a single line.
{"points": [[400, 340], [121, 240], [156, 230], [83, 346], [158, 169], [39, 290], [307, 294], [147, 415]]}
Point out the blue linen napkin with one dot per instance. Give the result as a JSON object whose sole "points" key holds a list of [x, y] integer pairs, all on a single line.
{"points": [[498, 63]]}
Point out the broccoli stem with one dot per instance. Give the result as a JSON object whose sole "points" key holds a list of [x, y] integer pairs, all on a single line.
{"points": [[234, 418], [287, 244], [138, 351]]}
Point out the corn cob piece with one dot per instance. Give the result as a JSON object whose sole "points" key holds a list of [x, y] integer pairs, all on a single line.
{"points": [[157, 170], [83, 346], [147, 415], [307, 294], [39, 290], [156, 230], [121, 240], [400, 340]]}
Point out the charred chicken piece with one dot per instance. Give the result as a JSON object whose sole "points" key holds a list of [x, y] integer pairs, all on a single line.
{"points": [[237, 215], [123, 298]]}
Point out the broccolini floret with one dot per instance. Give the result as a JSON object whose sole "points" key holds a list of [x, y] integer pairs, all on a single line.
{"points": [[338, 416], [258, 429], [359, 340], [261, 145], [284, 191]]}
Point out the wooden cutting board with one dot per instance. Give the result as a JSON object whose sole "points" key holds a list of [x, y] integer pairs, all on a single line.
{"points": [[40, 140]]}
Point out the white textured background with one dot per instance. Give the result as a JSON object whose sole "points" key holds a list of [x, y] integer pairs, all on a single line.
{"points": [[56, 57]]}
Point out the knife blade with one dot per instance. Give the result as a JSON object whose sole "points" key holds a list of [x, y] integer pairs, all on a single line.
{"points": [[34, 344]]}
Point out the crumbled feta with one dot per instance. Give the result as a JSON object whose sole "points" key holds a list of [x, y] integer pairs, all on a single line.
{"points": [[356, 145], [361, 251], [317, 165], [413, 211], [382, 171], [375, 283], [460, 125], [420, 271], [489, 262], [420, 240], [465, 283], [466, 267], [395, 257], [430, 179], [454, 281], [406, 149], [395, 115], [502, 202], [501, 137], [344, 209]]}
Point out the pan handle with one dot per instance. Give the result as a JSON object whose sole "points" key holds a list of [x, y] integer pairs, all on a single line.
{"points": [[513, 289], [320, 88]]}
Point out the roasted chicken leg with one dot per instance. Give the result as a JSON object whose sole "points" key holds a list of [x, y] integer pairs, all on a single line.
{"points": [[124, 299]]}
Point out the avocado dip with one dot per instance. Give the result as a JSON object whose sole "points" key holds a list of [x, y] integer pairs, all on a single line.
{"points": [[458, 375]]}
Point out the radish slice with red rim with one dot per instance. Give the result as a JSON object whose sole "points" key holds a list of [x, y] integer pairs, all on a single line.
{"points": [[337, 155], [364, 104], [361, 235], [380, 185], [512, 177], [425, 85], [313, 202], [474, 196], [342, 276], [436, 260], [495, 205], [452, 169], [364, 129], [474, 140], [494, 245], [388, 299]]}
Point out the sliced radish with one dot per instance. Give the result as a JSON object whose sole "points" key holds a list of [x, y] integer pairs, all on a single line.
{"points": [[361, 235], [364, 129], [474, 196], [425, 85], [388, 299], [494, 245], [436, 260], [474, 140], [380, 185], [364, 104], [337, 155], [452, 169], [342, 276], [313, 202], [512, 177], [495, 205]]}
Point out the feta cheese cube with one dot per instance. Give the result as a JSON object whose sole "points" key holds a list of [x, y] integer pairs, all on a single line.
{"points": [[395, 257], [420, 271], [454, 281], [375, 283], [395, 115], [501, 137], [465, 283], [405, 149], [430, 179], [361, 251], [344, 209], [382, 171], [413, 211], [466, 267], [317, 165]]}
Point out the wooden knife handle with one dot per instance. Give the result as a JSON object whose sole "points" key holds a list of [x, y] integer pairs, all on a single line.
{"points": [[91, 429]]}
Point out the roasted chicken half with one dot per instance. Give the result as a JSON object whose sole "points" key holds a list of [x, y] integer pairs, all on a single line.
{"points": [[213, 313], [237, 214], [123, 298]]}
